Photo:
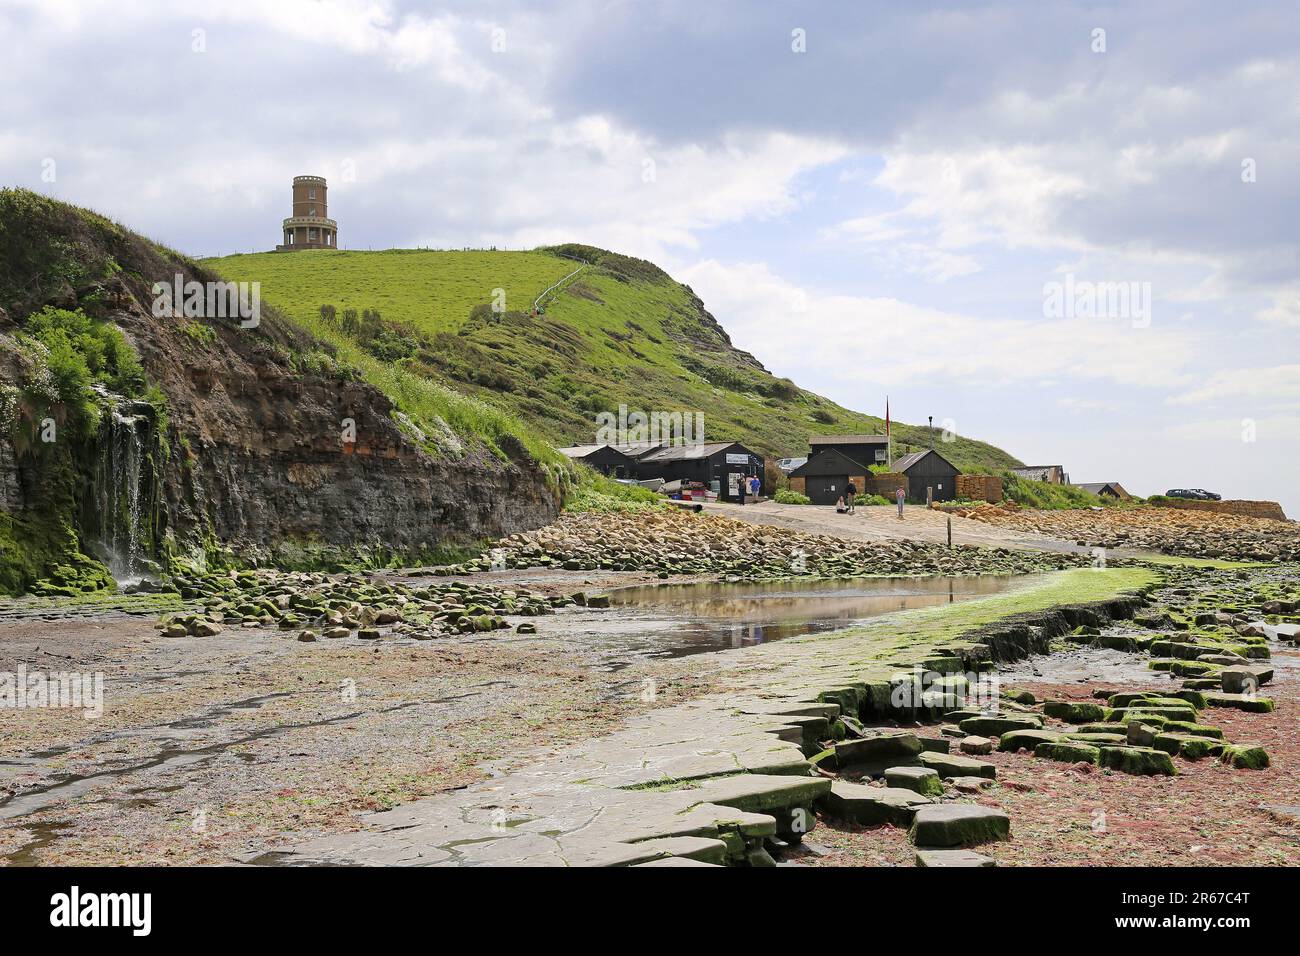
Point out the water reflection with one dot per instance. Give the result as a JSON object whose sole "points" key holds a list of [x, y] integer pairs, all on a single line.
{"points": [[675, 620]]}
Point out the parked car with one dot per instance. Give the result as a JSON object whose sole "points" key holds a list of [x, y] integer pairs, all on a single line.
{"points": [[1196, 494]]}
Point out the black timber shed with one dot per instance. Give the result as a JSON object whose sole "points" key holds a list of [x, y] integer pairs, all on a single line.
{"points": [[928, 469], [826, 475], [711, 463], [866, 450], [606, 459]]}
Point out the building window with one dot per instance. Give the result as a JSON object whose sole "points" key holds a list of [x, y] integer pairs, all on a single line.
{"points": [[313, 210], [311, 194], [880, 454]]}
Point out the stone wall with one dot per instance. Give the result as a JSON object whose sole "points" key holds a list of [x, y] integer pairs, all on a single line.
{"points": [[885, 484], [1249, 509], [980, 487]]}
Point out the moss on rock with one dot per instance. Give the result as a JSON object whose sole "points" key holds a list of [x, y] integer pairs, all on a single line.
{"points": [[1141, 761]]}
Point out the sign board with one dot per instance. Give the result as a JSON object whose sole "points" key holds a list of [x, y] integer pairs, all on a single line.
{"points": [[734, 459]]}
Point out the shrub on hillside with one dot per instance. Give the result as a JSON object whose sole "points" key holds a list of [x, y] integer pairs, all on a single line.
{"points": [[1045, 495], [595, 492], [71, 352]]}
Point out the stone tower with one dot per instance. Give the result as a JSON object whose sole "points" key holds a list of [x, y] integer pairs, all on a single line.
{"points": [[310, 226]]}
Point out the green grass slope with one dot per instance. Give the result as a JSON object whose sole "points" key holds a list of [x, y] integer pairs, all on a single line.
{"points": [[619, 332]]}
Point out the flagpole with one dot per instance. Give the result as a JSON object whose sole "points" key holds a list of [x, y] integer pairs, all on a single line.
{"points": [[889, 439]]}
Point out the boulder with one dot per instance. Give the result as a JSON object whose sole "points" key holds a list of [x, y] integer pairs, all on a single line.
{"points": [[1098, 740], [920, 780], [951, 765], [1140, 734], [876, 747], [871, 806], [958, 825], [1187, 746], [1026, 739], [1074, 712], [1141, 761], [1245, 756], [985, 726], [1247, 702], [1196, 730], [1067, 752], [976, 746]]}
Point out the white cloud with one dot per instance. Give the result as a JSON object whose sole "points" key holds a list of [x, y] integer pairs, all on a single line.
{"points": [[1284, 309], [1270, 385], [910, 343]]}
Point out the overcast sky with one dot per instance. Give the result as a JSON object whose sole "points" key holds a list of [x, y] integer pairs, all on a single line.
{"points": [[870, 197]]}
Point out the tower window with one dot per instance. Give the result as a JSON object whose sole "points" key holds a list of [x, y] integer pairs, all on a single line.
{"points": [[311, 194], [313, 210]]}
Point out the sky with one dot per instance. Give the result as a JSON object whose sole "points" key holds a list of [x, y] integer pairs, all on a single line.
{"points": [[1069, 229]]}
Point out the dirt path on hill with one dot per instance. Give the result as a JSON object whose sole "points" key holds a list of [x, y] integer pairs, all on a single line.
{"points": [[880, 523]]}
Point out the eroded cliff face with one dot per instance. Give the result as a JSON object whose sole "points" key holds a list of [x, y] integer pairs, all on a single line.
{"points": [[273, 458], [262, 445]]}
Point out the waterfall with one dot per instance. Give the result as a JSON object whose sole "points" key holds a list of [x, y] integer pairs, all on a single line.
{"points": [[117, 491]]}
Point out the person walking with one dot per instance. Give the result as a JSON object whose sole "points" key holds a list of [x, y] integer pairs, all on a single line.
{"points": [[851, 496], [900, 496]]}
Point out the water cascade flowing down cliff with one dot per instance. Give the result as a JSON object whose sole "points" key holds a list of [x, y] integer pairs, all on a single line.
{"points": [[122, 490]]}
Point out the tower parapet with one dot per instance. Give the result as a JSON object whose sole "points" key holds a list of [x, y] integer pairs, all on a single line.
{"points": [[310, 226]]}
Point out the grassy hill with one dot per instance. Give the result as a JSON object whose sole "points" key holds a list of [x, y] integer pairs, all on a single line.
{"points": [[620, 331]]}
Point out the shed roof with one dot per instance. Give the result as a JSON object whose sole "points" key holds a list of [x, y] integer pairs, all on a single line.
{"points": [[828, 461], [631, 449], [907, 461], [584, 451], [686, 452], [1100, 487], [1036, 472], [848, 439]]}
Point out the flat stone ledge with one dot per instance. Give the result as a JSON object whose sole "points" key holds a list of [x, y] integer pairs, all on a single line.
{"points": [[958, 825]]}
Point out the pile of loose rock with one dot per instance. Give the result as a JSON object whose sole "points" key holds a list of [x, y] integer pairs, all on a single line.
{"points": [[328, 606], [1171, 531], [670, 542]]}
